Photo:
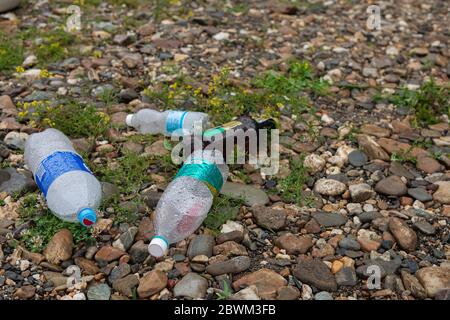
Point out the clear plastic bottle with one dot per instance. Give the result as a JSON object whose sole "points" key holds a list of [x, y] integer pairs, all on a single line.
{"points": [[167, 122], [187, 199], [71, 190]]}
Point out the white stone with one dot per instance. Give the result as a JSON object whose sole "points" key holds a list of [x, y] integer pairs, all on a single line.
{"points": [[221, 36], [230, 226], [330, 187], [314, 162]]}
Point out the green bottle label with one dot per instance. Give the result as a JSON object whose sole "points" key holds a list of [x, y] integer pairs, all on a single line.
{"points": [[227, 126], [204, 171]]}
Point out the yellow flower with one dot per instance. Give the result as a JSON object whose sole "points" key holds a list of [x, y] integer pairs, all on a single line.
{"points": [[20, 69], [174, 86], [44, 73]]}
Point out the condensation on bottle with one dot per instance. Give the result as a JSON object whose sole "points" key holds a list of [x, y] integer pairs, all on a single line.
{"points": [[170, 122], [71, 190], [187, 200]]}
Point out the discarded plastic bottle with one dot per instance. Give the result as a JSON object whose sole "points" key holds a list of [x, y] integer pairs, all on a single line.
{"points": [[187, 199], [71, 190], [167, 122]]}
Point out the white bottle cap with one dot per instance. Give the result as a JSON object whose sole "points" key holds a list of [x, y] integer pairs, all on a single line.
{"points": [[128, 120], [157, 247]]}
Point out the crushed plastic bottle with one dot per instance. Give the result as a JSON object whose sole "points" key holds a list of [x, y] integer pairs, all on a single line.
{"points": [[71, 190], [169, 122], [187, 199]]}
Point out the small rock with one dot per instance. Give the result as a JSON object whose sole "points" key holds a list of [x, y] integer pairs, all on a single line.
{"points": [[314, 272], [314, 162], [99, 291], [25, 292], [126, 239], [420, 194], [266, 281], [12, 181], [288, 293], [191, 285], [425, 227], [349, 243], [108, 253], [60, 247], [329, 219], [413, 285], [249, 293], [153, 282], [139, 252], [434, 279], [442, 194], [346, 277], [234, 265], [251, 195], [126, 285], [361, 192], [229, 249], [201, 245], [16, 140], [357, 158], [405, 236], [329, 187], [236, 236], [323, 295], [269, 218], [391, 186], [294, 244]]}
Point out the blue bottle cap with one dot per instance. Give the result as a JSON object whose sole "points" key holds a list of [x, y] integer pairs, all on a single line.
{"points": [[87, 217]]}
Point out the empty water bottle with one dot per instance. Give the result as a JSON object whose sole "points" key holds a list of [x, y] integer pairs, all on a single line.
{"points": [[187, 199], [71, 190], [167, 122]]}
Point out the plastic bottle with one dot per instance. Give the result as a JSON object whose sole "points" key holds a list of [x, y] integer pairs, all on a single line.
{"points": [[167, 122], [187, 199], [71, 190]]}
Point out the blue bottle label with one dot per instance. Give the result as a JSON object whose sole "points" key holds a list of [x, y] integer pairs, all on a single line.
{"points": [[175, 120], [56, 165]]}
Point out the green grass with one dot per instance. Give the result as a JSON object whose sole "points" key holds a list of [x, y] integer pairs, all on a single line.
{"points": [[223, 209], [122, 213], [292, 187], [72, 118], [11, 53], [129, 173], [108, 96], [45, 225], [427, 103], [226, 292], [267, 95]]}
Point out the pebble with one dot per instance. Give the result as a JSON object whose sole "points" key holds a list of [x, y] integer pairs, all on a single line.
{"points": [[294, 244], [151, 283], [413, 285], [405, 236], [329, 219], [361, 192], [315, 273], [420, 194], [391, 186], [99, 291], [192, 286], [425, 227], [350, 243], [267, 281], [323, 295], [201, 245], [357, 158], [329, 187], [126, 239], [269, 218], [251, 195], [12, 181], [434, 279], [442, 195], [126, 285], [16, 140], [233, 265], [346, 277], [139, 252], [60, 247]]}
